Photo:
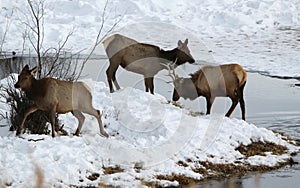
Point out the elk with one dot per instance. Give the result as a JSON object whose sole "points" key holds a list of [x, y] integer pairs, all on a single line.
{"points": [[141, 58], [210, 82], [57, 96]]}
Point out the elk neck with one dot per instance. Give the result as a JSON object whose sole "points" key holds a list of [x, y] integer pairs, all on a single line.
{"points": [[37, 89], [168, 55], [194, 78]]}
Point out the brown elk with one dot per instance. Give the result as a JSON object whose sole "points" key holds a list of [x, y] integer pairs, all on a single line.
{"points": [[211, 82], [57, 96], [141, 58]]}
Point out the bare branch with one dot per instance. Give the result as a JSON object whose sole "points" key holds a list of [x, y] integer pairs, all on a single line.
{"points": [[37, 19], [61, 45], [99, 39]]}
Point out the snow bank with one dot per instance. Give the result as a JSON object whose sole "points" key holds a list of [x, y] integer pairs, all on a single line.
{"points": [[148, 137], [212, 18], [261, 35]]}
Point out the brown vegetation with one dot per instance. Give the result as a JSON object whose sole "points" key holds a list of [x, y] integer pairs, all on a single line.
{"points": [[211, 170], [112, 170], [94, 176], [259, 148]]}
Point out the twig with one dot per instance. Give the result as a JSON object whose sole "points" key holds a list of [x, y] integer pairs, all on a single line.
{"points": [[36, 140], [99, 39]]}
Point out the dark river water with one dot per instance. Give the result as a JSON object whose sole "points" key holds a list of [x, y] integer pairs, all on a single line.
{"points": [[270, 102]]}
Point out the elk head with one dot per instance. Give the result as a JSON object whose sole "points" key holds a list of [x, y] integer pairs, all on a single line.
{"points": [[183, 87], [25, 78], [183, 53]]}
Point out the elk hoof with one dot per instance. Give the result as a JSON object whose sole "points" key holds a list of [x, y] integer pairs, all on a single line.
{"points": [[18, 133], [104, 134], [76, 133]]}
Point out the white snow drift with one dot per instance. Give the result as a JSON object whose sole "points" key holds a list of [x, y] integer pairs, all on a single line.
{"points": [[145, 131]]}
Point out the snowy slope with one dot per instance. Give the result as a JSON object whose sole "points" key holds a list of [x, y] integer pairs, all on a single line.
{"points": [[145, 130], [260, 35], [148, 137]]}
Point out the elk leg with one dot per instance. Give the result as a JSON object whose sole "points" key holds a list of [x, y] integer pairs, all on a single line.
{"points": [[109, 80], [80, 118], [234, 103], [111, 76], [115, 81], [97, 114], [27, 113], [209, 102], [243, 109], [146, 84], [242, 102], [149, 84], [52, 119]]}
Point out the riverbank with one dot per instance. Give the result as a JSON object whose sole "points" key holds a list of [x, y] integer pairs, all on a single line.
{"points": [[151, 142], [221, 172]]}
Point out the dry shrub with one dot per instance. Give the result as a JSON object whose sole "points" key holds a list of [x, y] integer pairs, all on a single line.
{"points": [[61, 67]]}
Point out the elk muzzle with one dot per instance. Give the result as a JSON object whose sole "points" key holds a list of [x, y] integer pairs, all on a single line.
{"points": [[17, 85], [192, 60]]}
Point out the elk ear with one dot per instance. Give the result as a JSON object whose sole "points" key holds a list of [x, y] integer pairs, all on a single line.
{"points": [[186, 41], [33, 71], [26, 68], [179, 43]]}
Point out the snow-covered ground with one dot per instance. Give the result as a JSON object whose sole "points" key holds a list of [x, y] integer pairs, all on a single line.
{"points": [[260, 35], [148, 137]]}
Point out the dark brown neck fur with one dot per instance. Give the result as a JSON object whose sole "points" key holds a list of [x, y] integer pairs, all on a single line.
{"points": [[38, 89], [194, 78], [169, 55], [195, 75]]}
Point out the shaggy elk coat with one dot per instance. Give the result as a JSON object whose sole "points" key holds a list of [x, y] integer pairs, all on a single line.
{"points": [[211, 82], [141, 58], [57, 96]]}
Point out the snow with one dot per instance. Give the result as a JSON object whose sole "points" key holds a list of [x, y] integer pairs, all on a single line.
{"points": [[263, 36], [145, 131]]}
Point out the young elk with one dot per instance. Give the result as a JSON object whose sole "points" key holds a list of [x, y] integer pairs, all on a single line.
{"points": [[211, 82], [57, 96], [141, 58]]}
